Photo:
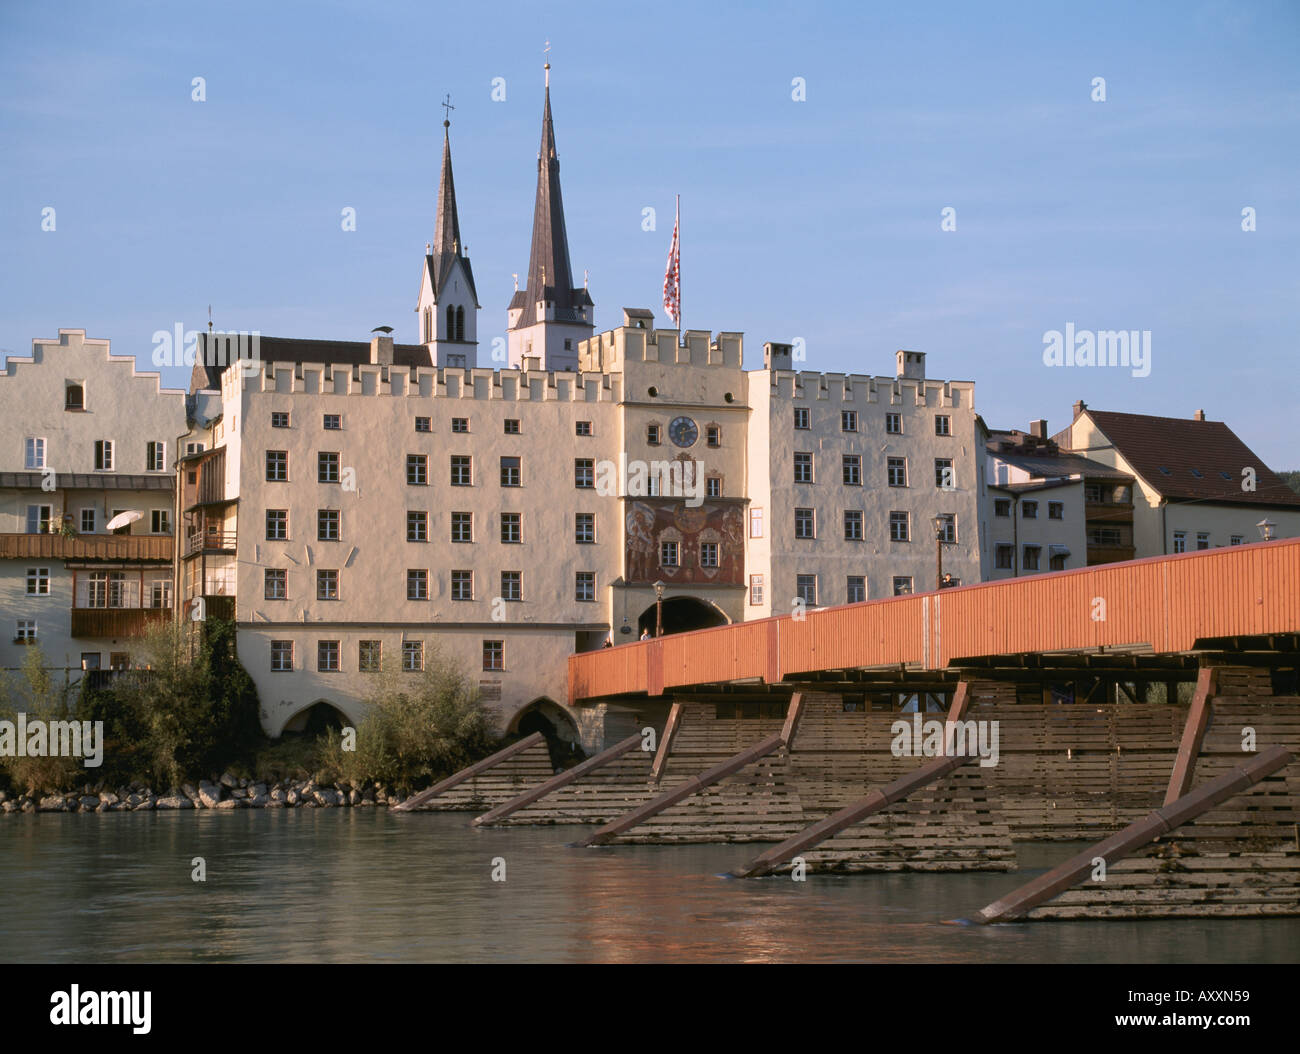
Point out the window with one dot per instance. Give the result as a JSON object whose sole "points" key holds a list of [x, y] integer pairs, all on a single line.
{"points": [[417, 470], [412, 656], [281, 656], [417, 526], [902, 585], [1202, 539], [125, 528], [1111, 536], [74, 396], [806, 589], [103, 455], [327, 656], [89, 518], [160, 521], [1056, 562], [417, 585], [1029, 510], [1180, 541], [853, 525], [1056, 510], [708, 554], [851, 467], [327, 585], [333, 422], [275, 584], [34, 453], [512, 585], [804, 523], [1236, 539], [894, 424], [898, 527], [713, 487], [511, 472], [327, 525], [38, 581], [460, 424], [653, 435], [279, 419], [369, 656], [1002, 507], [857, 589], [1031, 557], [462, 526], [943, 474], [494, 655], [462, 585], [712, 435], [801, 417], [756, 523], [512, 426], [584, 528], [327, 467], [277, 466], [462, 470], [582, 428], [511, 528], [155, 457], [803, 467], [584, 472], [942, 425], [848, 420], [948, 528], [194, 448], [1003, 557], [584, 585], [667, 554], [897, 468], [26, 629], [38, 519], [756, 589], [277, 525], [90, 660], [422, 424], [160, 593]]}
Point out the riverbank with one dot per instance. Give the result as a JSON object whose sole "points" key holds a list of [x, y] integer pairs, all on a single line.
{"points": [[227, 792]]}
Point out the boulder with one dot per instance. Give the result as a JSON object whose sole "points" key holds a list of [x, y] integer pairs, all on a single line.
{"points": [[89, 802], [229, 803], [258, 801], [292, 796], [174, 801], [227, 780], [278, 794], [209, 794], [107, 798], [257, 790]]}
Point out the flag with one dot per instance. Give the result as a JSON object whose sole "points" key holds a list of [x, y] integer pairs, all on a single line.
{"points": [[673, 275]]}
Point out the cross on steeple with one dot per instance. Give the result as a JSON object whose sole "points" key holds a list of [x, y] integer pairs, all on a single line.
{"points": [[446, 110], [546, 51]]}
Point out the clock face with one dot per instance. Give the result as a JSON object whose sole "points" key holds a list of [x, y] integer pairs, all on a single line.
{"points": [[683, 431]]}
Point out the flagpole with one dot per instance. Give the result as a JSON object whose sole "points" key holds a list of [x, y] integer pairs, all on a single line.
{"points": [[677, 225]]}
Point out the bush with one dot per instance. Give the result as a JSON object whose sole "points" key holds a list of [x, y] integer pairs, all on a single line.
{"points": [[419, 728], [35, 693]]}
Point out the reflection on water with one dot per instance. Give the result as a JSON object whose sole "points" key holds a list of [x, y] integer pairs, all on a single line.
{"points": [[343, 885]]}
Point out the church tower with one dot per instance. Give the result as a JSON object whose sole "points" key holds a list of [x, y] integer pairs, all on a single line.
{"points": [[448, 305], [548, 317]]}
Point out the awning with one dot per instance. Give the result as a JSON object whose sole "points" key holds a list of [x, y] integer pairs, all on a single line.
{"points": [[1058, 550]]}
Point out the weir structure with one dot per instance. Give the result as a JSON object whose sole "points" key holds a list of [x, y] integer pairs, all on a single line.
{"points": [[1150, 706]]}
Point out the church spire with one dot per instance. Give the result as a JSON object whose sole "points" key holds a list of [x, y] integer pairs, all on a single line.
{"points": [[446, 238]]}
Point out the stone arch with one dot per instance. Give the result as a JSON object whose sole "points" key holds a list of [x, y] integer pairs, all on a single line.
{"points": [[682, 614], [554, 722], [315, 718]]}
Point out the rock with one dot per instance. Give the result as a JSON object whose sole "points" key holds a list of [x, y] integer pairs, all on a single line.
{"points": [[107, 798], [309, 803], [209, 794], [257, 790], [238, 792], [258, 801], [89, 802], [292, 796], [272, 803], [174, 801], [230, 803], [190, 792], [354, 797], [277, 794], [365, 803], [144, 806], [227, 780]]}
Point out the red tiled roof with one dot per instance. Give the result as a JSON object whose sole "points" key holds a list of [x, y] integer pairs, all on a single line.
{"points": [[1189, 460]]}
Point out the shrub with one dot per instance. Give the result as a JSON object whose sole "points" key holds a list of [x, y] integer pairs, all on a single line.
{"points": [[35, 693]]}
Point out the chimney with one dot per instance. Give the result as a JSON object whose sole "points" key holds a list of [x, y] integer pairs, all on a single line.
{"points": [[1199, 415], [911, 364], [1038, 429], [532, 362], [1079, 407], [778, 356], [381, 349]]}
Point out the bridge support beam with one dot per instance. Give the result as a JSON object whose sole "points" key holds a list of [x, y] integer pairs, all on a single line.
{"points": [[1198, 720], [478, 768], [1159, 822], [602, 759], [666, 742]]}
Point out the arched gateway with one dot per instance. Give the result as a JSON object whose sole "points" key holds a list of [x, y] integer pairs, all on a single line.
{"points": [[682, 614]]}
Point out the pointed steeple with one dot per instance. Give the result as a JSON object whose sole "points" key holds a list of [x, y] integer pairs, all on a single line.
{"points": [[446, 238]]}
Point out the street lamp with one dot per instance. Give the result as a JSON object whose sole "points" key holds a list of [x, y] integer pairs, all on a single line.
{"points": [[939, 524], [1266, 529], [659, 609]]}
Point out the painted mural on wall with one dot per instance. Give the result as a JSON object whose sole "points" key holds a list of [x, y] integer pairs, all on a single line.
{"points": [[659, 530]]}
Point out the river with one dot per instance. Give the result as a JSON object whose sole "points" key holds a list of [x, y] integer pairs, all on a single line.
{"points": [[367, 885]]}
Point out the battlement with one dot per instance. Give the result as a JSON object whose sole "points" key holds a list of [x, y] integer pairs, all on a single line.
{"points": [[863, 388], [637, 341]]}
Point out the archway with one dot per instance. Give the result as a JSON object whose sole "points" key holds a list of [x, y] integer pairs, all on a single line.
{"points": [[556, 725], [682, 614], [316, 719]]}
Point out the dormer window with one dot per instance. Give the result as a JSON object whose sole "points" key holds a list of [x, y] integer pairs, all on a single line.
{"points": [[74, 396]]}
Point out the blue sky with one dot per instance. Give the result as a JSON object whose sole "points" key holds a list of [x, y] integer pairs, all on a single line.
{"points": [[817, 219]]}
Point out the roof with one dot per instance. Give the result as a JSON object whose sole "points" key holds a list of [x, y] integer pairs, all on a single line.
{"points": [[89, 481], [1026, 488], [1047, 466], [288, 349], [1184, 459]]}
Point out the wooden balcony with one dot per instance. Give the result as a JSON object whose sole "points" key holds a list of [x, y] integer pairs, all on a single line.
{"points": [[1109, 554], [116, 622], [114, 548], [1108, 512], [210, 542]]}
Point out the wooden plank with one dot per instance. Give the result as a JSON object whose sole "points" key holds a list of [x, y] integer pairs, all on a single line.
{"points": [[1198, 720], [471, 771]]}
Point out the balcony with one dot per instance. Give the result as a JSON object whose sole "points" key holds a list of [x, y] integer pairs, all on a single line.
{"points": [[1109, 554], [116, 622], [1108, 511], [210, 542], [115, 548]]}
